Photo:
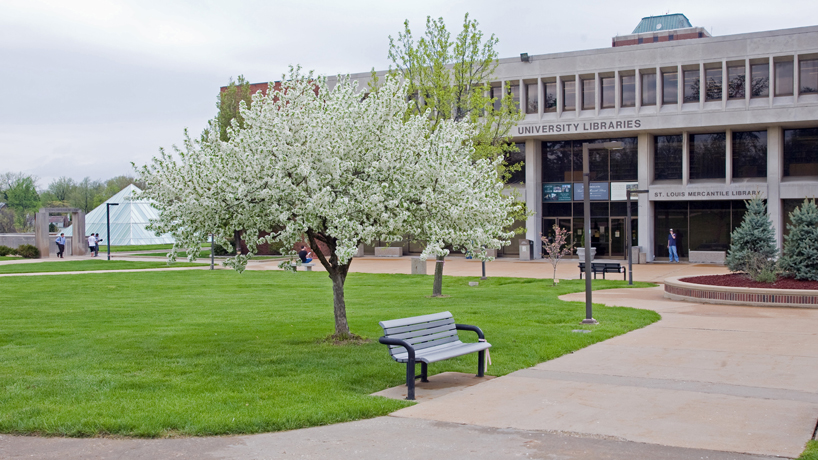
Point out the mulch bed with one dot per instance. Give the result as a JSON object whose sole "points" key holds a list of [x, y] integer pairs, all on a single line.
{"points": [[736, 280]]}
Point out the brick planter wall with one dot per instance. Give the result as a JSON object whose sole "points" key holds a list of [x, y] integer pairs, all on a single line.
{"points": [[680, 290]]}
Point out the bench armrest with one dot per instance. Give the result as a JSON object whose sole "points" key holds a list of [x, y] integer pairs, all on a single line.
{"points": [[401, 343], [467, 327]]}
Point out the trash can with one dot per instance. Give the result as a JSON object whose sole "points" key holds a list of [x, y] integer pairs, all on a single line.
{"points": [[526, 249]]}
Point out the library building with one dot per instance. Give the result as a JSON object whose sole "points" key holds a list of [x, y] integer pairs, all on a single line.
{"points": [[704, 123], [701, 124]]}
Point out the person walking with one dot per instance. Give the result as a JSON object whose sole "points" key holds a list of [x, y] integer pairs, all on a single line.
{"points": [[92, 242], [671, 246], [96, 244], [60, 245]]}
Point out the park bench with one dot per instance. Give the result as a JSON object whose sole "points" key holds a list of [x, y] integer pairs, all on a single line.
{"points": [[428, 339], [307, 267], [603, 267]]}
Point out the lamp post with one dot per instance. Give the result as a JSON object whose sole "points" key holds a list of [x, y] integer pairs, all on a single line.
{"points": [[108, 222], [212, 251], [629, 234], [586, 199]]}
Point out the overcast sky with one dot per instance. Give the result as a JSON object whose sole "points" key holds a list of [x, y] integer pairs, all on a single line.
{"points": [[89, 86]]}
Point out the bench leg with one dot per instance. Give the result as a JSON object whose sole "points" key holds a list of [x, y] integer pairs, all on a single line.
{"points": [[308, 268], [410, 380], [424, 372], [603, 275], [481, 362]]}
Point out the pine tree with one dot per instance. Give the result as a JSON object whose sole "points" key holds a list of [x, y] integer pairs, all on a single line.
{"points": [[752, 247], [800, 258]]}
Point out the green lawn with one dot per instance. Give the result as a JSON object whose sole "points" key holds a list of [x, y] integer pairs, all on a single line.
{"points": [[88, 265], [2, 258], [215, 352], [179, 255]]}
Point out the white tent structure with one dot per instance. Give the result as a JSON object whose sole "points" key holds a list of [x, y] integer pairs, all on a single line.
{"points": [[128, 220]]}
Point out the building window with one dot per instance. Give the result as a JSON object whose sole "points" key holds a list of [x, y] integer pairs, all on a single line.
{"points": [[713, 87], [750, 154], [556, 165], [628, 90], [667, 157], [608, 85], [517, 158], [760, 80], [801, 152], [497, 95], [692, 84], [569, 95], [624, 162], [783, 78], [735, 82], [550, 97], [707, 156], [648, 89], [588, 94], [670, 87], [531, 98], [809, 76], [514, 92]]}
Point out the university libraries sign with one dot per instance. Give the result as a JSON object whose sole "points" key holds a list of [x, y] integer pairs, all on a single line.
{"points": [[706, 192], [579, 127]]}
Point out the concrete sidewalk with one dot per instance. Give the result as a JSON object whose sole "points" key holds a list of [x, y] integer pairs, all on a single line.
{"points": [[724, 378]]}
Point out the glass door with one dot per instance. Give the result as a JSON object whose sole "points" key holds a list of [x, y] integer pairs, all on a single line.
{"points": [[618, 240]]}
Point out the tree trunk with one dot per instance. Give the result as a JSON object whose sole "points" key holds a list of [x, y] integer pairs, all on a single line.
{"points": [[437, 288], [338, 274], [339, 305]]}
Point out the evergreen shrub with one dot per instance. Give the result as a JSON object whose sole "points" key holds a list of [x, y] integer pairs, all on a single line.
{"points": [[28, 251], [5, 251], [800, 258], [752, 246]]}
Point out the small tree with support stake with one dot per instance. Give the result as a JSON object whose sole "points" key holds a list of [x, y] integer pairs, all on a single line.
{"points": [[556, 248]]}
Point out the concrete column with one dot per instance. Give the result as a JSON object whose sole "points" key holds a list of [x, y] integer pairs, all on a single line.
{"points": [[796, 78], [771, 88], [79, 244], [645, 220], [638, 98], [775, 155], [685, 157], [728, 157], [540, 97], [724, 84], [617, 92], [41, 233], [559, 97], [533, 194]]}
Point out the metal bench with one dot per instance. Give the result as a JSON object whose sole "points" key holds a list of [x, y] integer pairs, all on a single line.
{"points": [[428, 339], [603, 267]]}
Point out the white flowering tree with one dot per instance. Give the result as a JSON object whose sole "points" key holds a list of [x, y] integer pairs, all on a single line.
{"points": [[461, 202], [340, 169]]}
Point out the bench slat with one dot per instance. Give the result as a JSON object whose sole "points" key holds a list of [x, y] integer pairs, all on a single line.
{"points": [[414, 320], [417, 341], [434, 343], [424, 332], [415, 327], [439, 354]]}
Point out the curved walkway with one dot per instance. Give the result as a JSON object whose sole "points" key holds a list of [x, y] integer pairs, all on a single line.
{"points": [[707, 381]]}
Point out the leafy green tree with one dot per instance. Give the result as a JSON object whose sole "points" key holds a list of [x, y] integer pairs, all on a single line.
{"points": [[800, 258], [229, 102], [752, 247], [58, 192], [451, 79], [86, 194], [20, 195]]}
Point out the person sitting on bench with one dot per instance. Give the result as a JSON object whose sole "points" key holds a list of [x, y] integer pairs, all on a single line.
{"points": [[304, 255]]}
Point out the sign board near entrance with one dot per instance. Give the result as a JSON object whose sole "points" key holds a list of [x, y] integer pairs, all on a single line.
{"points": [[599, 191], [556, 192], [706, 192], [619, 190]]}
